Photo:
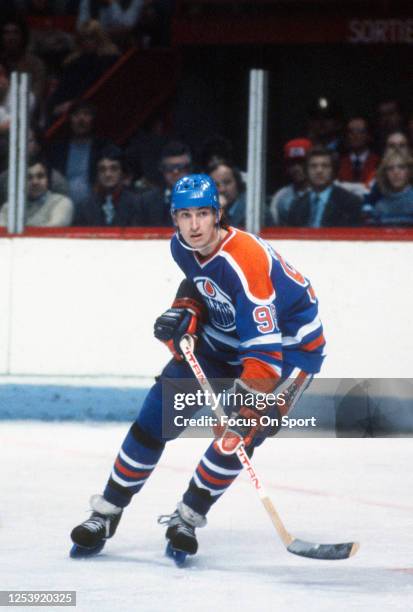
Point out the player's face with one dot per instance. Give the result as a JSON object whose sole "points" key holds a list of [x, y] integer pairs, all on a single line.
{"points": [[197, 227], [320, 172]]}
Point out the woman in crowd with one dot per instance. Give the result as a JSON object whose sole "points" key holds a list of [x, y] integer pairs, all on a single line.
{"points": [[394, 180], [397, 142]]}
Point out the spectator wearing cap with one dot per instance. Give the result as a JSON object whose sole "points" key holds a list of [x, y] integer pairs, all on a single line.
{"points": [[175, 162], [75, 156], [111, 204], [295, 152], [359, 164], [325, 204]]}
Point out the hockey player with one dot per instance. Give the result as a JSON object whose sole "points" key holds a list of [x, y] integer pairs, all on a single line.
{"points": [[257, 325]]}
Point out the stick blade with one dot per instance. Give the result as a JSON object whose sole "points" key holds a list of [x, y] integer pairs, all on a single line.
{"points": [[328, 552]]}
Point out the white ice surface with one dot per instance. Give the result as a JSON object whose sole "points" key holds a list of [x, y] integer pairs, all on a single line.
{"points": [[325, 490]]}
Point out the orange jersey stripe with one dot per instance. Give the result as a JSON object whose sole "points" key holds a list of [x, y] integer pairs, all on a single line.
{"points": [[211, 479], [130, 473], [254, 262], [310, 346]]}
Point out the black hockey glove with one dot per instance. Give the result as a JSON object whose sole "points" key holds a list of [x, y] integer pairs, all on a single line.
{"points": [[182, 318]]}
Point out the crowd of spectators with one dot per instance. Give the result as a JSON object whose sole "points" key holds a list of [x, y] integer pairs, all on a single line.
{"points": [[343, 171], [347, 174]]}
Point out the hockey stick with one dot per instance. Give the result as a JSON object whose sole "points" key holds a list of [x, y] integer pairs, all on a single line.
{"points": [[293, 545]]}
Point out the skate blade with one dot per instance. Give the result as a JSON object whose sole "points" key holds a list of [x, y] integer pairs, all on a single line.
{"points": [[81, 552], [178, 556]]}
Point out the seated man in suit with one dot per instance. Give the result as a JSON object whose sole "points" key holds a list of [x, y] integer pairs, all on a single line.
{"points": [[359, 163], [325, 204]]}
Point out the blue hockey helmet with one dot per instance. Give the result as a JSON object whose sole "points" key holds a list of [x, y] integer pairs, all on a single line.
{"points": [[195, 190]]}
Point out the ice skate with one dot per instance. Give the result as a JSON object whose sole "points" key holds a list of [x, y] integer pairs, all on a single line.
{"points": [[181, 532], [90, 536]]}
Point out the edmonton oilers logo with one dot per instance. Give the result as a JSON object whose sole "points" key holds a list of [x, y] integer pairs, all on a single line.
{"points": [[220, 308], [209, 288]]}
